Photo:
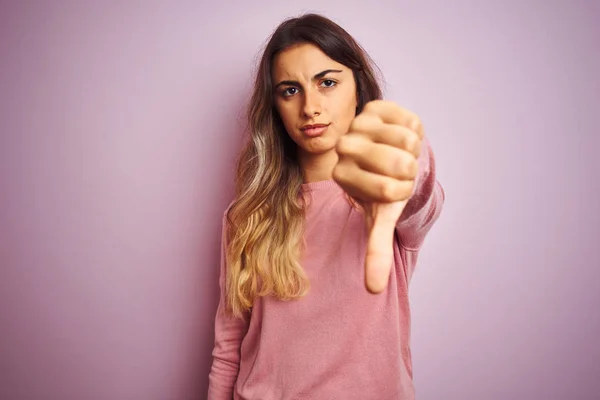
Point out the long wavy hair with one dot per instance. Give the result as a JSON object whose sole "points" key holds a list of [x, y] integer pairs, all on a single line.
{"points": [[265, 223]]}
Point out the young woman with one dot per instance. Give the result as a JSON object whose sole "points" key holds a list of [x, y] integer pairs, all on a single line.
{"points": [[336, 191]]}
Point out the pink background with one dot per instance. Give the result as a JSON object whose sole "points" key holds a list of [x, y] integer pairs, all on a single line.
{"points": [[119, 125]]}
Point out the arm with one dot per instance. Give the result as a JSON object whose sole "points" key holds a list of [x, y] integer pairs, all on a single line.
{"points": [[229, 333], [425, 205]]}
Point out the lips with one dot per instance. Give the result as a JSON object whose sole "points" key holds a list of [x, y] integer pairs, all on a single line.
{"points": [[314, 130]]}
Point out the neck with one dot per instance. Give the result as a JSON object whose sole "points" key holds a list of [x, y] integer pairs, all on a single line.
{"points": [[318, 167]]}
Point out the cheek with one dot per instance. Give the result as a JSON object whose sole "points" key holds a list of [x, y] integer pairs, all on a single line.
{"points": [[285, 113]]}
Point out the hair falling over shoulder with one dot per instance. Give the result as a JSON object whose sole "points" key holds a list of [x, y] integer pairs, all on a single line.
{"points": [[265, 223]]}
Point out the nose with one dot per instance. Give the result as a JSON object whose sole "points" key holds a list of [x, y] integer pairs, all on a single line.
{"points": [[312, 103]]}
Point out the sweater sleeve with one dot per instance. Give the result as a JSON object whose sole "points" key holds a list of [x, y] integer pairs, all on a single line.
{"points": [[229, 332], [425, 205]]}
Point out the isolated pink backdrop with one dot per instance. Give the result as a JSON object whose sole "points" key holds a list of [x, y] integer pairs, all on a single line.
{"points": [[119, 124]]}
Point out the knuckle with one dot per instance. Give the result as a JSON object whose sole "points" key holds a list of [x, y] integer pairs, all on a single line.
{"points": [[417, 147], [363, 123], [373, 106], [403, 165], [417, 122], [340, 173], [397, 164], [369, 106], [411, 143], [414, 170], [388, 191], [356, 124], [417, 126], [409, 189], [397, 131], [409, 169], [344, 145], [402, 168], [396, 191]]}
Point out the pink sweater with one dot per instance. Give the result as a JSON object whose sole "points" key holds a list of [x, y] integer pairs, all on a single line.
{"points": [[340, 341]]}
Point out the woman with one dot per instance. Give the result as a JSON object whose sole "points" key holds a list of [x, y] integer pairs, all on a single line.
{"points": [[336, 191]]}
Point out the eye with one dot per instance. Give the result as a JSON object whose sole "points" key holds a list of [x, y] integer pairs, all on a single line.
{"points": [[290, 91], [328, 83]]}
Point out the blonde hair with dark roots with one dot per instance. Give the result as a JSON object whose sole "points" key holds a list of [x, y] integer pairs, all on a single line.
{"points": [[265, 223]]}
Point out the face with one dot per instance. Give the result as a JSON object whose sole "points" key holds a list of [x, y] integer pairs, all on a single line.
{"points": [[315, 97]]}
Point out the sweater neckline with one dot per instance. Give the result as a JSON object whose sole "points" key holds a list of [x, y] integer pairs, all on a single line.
{"points": [[312, 186]]}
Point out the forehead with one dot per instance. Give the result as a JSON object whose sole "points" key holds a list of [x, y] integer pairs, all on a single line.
{"points": [[302, 61]]}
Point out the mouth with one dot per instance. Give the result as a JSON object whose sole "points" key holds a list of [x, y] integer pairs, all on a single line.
{"points": [[314, 130]]}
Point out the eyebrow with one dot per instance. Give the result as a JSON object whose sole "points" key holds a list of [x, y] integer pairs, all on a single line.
{"points": [[317, 76]]}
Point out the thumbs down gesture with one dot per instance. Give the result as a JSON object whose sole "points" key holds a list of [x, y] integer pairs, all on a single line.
{"points": [[377, 167]]}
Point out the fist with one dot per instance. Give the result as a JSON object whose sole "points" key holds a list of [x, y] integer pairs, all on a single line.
{"points": [[377, 167]]}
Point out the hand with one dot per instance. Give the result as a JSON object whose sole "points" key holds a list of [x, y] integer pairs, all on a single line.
{"points": [[377, 167]]}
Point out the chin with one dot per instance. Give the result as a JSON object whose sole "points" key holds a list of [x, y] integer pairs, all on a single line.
{"points": [[320, 145]]}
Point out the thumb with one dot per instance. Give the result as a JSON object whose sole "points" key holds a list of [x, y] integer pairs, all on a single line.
{"points": [[380, 250]]}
